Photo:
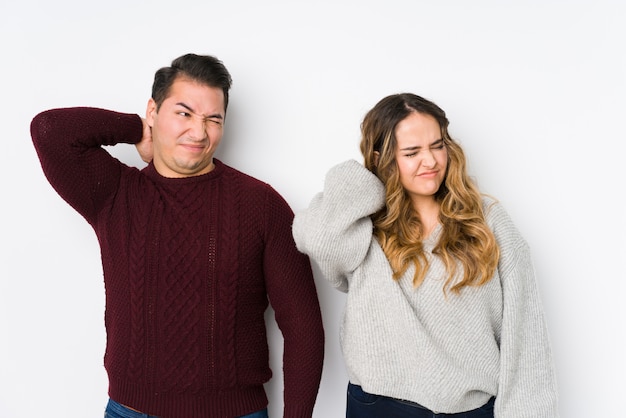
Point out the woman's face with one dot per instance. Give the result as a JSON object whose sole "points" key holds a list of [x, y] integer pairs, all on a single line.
{"points": [[421, 156]]}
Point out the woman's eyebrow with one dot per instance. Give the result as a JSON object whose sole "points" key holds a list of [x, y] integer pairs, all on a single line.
{"points": [[420, 147]]}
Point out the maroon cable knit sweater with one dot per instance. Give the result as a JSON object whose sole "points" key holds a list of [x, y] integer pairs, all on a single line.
{"points": [[189, 265]]}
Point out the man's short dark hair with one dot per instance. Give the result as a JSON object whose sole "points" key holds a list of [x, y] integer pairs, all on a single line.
{"points": [[204, 69]]}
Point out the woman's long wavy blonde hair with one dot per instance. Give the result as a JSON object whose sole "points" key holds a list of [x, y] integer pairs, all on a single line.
{"points": [[466, 240]]}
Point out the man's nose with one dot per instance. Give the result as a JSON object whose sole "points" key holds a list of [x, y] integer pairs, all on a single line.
{"points": [[197, 129]]}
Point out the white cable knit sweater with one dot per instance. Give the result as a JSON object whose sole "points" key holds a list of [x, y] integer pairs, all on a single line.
{"points": [[448, 353]]}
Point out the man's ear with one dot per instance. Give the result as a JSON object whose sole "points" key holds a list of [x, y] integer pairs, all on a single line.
{"points": [[151, 110], [376, 158]]}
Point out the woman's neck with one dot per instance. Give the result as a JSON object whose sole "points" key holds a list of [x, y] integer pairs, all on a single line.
{"points": [[428, 212]]}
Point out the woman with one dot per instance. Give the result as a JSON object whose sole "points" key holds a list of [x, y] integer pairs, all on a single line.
{"points": [[442, 313]]}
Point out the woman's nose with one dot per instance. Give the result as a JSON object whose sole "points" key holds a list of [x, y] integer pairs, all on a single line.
{"points": [[428, 159]]}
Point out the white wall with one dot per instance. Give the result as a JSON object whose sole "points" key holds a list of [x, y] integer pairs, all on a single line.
{"points": [[534, 89]]}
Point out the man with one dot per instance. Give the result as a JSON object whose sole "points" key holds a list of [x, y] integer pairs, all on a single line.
{"points": [[192, 250]]}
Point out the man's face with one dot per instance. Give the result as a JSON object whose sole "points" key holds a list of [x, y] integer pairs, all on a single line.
{"points": [[187, 128]]}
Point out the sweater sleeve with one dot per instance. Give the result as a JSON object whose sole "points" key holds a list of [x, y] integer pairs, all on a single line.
{"points": [[293, 296], [527, 384], [69, 146], [336, 229]]}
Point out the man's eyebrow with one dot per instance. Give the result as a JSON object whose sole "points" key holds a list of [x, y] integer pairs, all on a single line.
{"points": [[419, 147], [214, 116]]}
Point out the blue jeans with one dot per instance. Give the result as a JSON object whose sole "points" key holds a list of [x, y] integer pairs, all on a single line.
{"points": [[116, 410], [361, 404]]}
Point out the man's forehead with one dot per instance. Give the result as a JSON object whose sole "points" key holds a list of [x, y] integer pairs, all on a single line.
{"points": [[196, 97]]}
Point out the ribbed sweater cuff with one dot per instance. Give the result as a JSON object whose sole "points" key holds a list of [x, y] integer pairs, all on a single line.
{"points": [[298, 411]]}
